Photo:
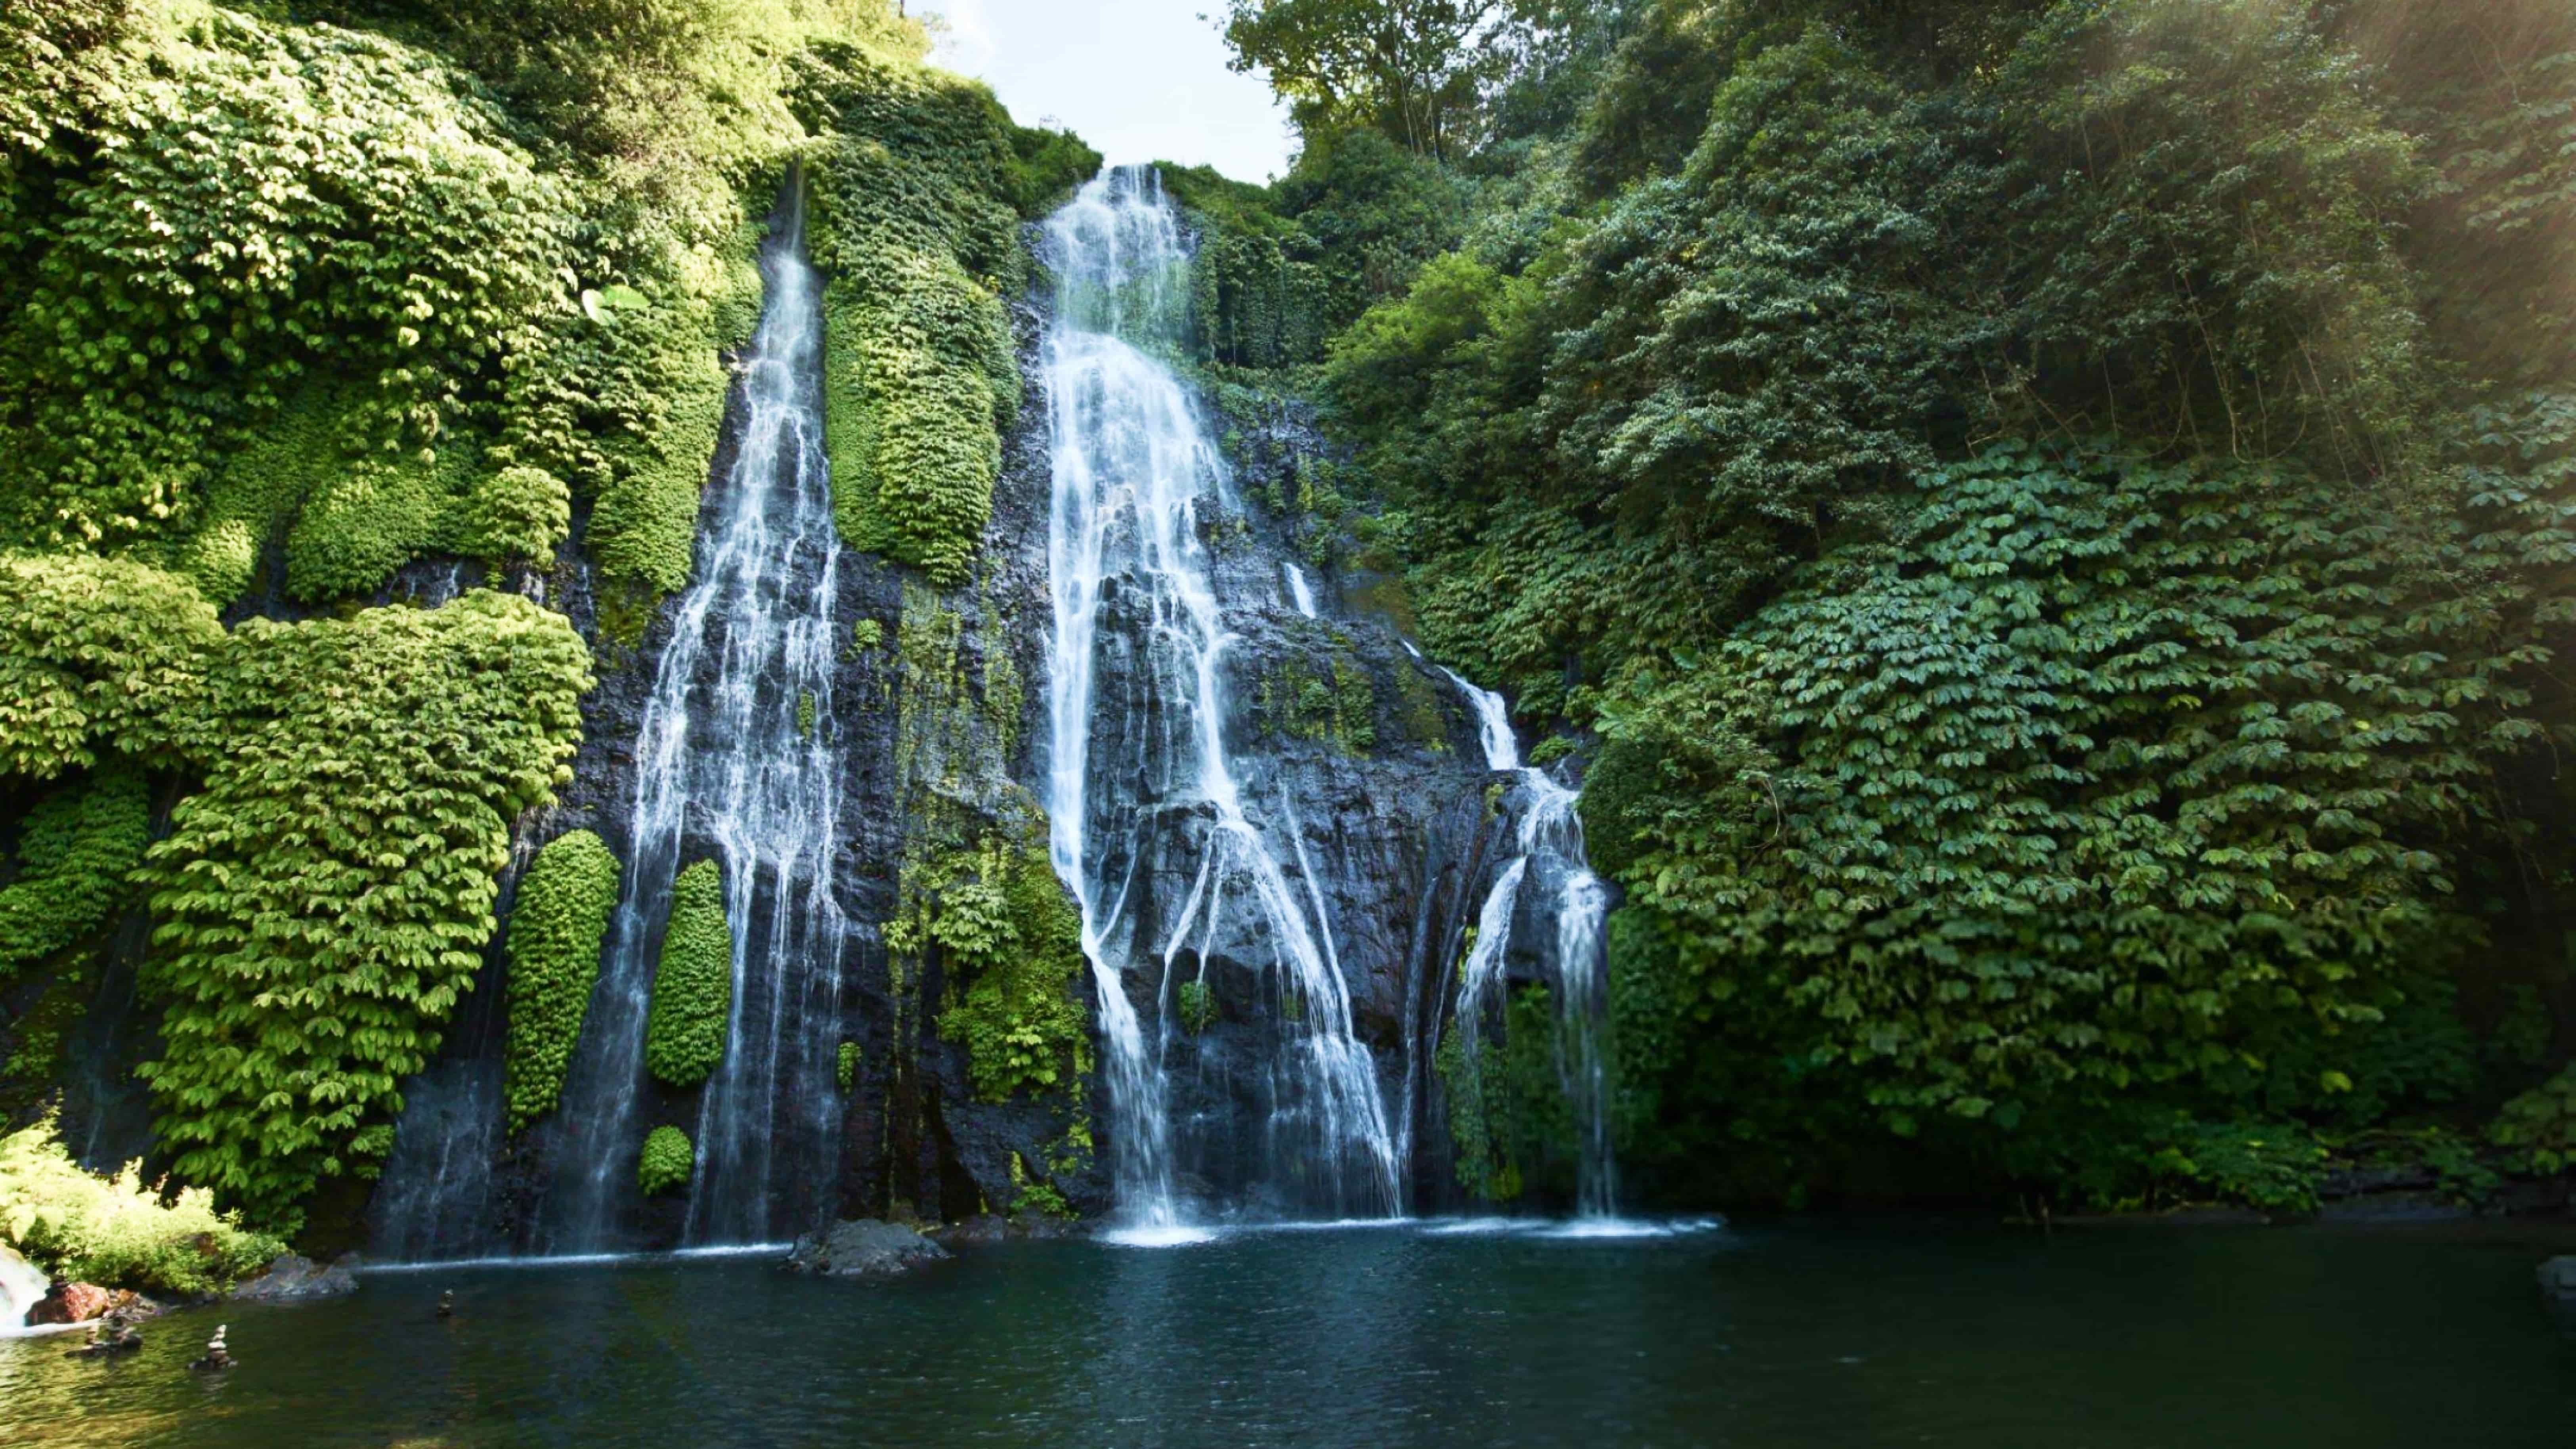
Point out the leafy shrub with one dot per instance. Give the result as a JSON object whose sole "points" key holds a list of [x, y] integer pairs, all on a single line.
{"points": [[666, 1163], [98, 652], [75, 851], [2096, 778], [684, 1035], [2539, 1127], [517, 512], [257, 202], [557, 925], [369, 518], [2274, 1166], [326, 898], [1012, 941], [114, 1231], [293, 453], [1195, 1005], [845, 1066], [912, 222]]}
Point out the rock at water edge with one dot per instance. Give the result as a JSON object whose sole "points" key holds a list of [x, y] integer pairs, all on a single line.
{"points": [[864, 1249], [294, 1278]]}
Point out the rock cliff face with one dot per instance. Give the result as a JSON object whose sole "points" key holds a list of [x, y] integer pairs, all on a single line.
{"points": [[1345, 742]]}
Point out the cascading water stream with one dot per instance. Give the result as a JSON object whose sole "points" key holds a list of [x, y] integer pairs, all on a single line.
{"points": [[1133, 473], [1550, 837], [21, 1284], [736, 759]]}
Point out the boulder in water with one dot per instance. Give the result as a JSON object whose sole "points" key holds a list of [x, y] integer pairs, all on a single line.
{"points": [[294, 1278], [865, 1248], [82, 1302], [2558, 1285]]}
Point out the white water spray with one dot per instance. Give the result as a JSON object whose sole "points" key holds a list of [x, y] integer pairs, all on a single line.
{"points": [[736, 758], [1550, 835], [1135, 476]]}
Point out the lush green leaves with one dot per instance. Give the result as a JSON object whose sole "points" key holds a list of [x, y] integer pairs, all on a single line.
{"points": [[666, 1163], [75, 850], [327, 897], [684, 1035], [98, 652], [115, 1231], [1012, 943], [557, 925]]}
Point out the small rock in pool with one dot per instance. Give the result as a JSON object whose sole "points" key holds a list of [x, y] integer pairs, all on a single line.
{"points": [[294, 1278], [2558, 1283], [865, 1248]]}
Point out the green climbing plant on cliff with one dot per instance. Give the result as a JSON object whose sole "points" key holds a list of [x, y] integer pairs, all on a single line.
{"points": [[557, 926], [325, 899], [684, 1035], [76, 848], [1012, 943], [666, 1162], [913, 221]]}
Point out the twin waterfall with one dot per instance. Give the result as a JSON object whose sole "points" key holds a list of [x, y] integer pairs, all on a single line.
{"points": [[1244, 885]]}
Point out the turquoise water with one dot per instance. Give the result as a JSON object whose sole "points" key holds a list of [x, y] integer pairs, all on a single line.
{"points": [[2102, 1338]]}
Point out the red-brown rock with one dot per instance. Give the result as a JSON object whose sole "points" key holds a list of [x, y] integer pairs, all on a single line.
{"points": [[81, 1302]]}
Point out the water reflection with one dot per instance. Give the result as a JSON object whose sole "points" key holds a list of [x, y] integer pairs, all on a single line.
{"points": [[1461, 1333]]}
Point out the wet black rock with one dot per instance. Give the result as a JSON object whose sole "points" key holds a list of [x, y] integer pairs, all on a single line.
{"points": [[865, 1248], [294, 1278]]}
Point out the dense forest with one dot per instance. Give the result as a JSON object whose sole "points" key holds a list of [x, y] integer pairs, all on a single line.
{"points": [[2045, 528], [2047, 522]]}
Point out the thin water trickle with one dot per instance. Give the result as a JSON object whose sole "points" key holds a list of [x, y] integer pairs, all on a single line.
{"points": [[736, 760], [1134, 471], [1550, 837], [1300, 593]]}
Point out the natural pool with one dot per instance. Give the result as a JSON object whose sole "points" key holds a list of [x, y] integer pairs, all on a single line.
{"points": [[1419, 1334]]}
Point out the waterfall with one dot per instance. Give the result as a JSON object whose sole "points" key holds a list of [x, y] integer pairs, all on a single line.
{"points": [[1139, 767], [21, 1284], [736, 759], [1549, 837], [1299, 592]]}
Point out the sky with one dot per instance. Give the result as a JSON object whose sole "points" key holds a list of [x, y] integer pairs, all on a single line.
{"points": [[1140, 80]]}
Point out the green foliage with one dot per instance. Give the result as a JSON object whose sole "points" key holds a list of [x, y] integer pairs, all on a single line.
{"points": [[624, 400], [845, 1066], [371, 516], [1411, 70], [1046, 167], [76, 848], [557, 925], [1195, 1006], [1012, 943], [325, 898], [2094, 774], [666, 1163], [516, 513], [1339, 708], [2276, 1167], [2539, 1127], [1510, 1129], [913, 220], [1276, 270], [258, 202], [684, 1035], [98, 653], [114, 1231]]}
